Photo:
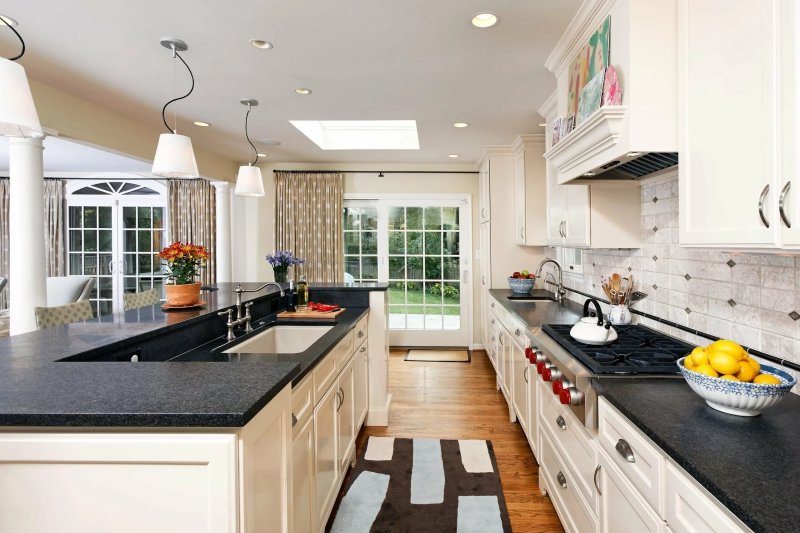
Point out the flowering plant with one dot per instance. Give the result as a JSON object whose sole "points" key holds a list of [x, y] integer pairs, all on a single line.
{"points": [[280, 262], [184, 260]]}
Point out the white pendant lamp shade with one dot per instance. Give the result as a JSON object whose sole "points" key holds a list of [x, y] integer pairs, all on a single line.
{"points": [[249, 182], [18, 117], [175, 157]]}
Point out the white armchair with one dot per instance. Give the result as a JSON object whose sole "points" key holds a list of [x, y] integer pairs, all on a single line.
{"points": [[68, 289]]}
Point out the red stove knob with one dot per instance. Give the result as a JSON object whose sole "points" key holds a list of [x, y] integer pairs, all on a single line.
{"points": [[565, 396], [540, 366], [529, 353], [546, 373], [570, 396], [558, 386]]}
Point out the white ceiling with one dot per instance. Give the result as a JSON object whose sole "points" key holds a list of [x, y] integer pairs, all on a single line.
{"points": [[66, 156], [364, 60]]}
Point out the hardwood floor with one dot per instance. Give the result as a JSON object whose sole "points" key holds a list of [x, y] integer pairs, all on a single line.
{"points": [[460, 401]]}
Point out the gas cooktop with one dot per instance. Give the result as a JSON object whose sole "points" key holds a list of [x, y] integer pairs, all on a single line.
{"points": [[638, 350]]}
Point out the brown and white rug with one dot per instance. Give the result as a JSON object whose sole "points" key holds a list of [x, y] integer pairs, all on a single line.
{"points": [[438, 356], [423, 485]]}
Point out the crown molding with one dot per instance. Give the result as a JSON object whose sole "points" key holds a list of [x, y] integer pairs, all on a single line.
{"points": [[549, 108], [583, 24]]}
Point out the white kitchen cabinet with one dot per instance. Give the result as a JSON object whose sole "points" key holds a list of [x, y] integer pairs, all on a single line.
{"points": [[303, 505], [326, 456], [519, 365], [690, 508], [530, 199], [346, 413], [484, 199], [621, 506], [361, 370]]}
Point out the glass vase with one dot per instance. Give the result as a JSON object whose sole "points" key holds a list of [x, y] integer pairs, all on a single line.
{"points": [[280, 272]]}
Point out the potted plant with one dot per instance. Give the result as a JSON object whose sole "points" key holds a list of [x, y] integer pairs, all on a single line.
{"points": [[184, 260], [280, 262]]}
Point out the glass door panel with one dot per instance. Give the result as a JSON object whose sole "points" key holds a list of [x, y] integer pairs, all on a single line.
{"points": [[142, 238], [361, 243], [91, 249]]}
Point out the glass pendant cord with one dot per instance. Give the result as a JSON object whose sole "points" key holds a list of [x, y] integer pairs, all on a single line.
{"points": [[164, 109], [21, 52], [247, 136]]}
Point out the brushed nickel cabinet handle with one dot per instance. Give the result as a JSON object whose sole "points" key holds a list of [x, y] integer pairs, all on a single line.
{"points": [[560, 422], [561, 479], [625, 450], [597, 471], [525, 374], [761, 201], [781, 204], [522, 233]]}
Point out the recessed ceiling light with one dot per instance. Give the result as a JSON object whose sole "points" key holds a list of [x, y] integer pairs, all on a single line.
{"points": [[588, 173], [360, 134], [260, 43], [261, 155], [201, 123], [267, 142], [302, 90], [633, 154], [454, 156], [485, 20], [8, 21], [460, 125], [542, 124]]}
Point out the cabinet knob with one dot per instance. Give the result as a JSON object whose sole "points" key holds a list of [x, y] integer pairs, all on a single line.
{"points": [[561, 423], [561, 479]]}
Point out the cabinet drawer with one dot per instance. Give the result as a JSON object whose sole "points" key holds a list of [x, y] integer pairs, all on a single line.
{"points": [[302, 403], [361, 330], [691, 509], [572, 441], [324, 375], [343, 351], [573, 511], [635, 455]]}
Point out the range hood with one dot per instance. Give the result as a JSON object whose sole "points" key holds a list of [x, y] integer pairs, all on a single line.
{"points": [[635, 166]]}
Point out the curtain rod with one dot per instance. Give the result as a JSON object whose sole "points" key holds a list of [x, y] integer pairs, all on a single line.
{"points": [[380, 171]]}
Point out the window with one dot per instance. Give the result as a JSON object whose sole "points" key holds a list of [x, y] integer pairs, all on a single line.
{"points": [[571, 260], [361, 242]]}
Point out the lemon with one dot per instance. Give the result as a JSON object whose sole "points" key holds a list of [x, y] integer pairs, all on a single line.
{"points": [[689, 363], [767, 379], [754, 364], [726, 346], [746, 371], [730, 377], [707, 369], [724, 362], [699, 356]]}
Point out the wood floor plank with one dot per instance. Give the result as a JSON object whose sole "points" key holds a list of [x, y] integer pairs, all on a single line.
{"points": [[460, 401]]}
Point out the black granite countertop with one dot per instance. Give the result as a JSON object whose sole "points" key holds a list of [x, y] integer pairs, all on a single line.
{"points": [[36, 389], [752, 465], [537, 312]]}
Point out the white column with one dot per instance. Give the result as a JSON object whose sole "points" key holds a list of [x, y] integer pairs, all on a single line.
{"points": [[223, 201], [27, 274]]}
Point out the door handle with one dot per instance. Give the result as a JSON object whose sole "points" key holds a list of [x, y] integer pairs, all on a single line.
{"points": [[597, 471], [111, 267], [781, 204], [761, 201], [625, 450]]}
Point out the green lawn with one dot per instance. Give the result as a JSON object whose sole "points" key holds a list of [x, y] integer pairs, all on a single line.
{"points": [[412, 303]]}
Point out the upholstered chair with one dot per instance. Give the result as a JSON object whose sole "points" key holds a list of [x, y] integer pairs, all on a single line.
{"points": [[50, 317], [68, 289], [135, 300]]}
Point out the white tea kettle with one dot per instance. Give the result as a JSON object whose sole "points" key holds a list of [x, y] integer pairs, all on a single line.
{"points": [[591, 329]]}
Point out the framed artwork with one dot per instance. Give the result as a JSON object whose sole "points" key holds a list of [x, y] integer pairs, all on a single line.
{"points": [[556, 131], [590, 61], [612, 92], [591, 97], [568, 125]]}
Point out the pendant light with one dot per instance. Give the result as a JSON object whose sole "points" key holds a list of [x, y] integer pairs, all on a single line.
{"points": [[174, 154], [248, 181], [18, 117]]}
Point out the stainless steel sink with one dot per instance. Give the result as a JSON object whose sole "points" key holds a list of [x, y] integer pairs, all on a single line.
{"points": [[281, 339]]}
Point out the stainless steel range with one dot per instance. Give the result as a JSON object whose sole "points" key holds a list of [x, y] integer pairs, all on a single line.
{"points": [[569, 366]]}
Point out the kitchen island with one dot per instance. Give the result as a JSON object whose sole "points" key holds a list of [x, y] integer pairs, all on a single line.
{"points": [[113, 412]]}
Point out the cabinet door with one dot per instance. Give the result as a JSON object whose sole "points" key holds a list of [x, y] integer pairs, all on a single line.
{"points": [[576, 227], [728, 171], [621, 507], [484, 200], [520, 368], [303, 508], [556, 207], [346, 412], [519, 198], [361, 362], [326, 457], [486, 255]]}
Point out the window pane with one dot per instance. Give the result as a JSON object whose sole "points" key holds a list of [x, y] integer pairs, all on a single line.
{"points": [[105, 217], [433, 293], [75, 264], [397, 218], [450, 268], [75, 217], [452, 293], [397, 267], [90, 217], [90, 264], [351, 266], [433, 218], [413, 218], [129, 238], [105, 264], [397, 293], [369, 218], [105, 240], [397, 244], [144, 241], [75, 241], [90, 240], [105, 287], [414, 239], [351, 217], [158, 217], [351, 245], [129, 217], [414, 268], [129, 264], [433, 243], [433, 268], [450, 218], [369, 267], [451, 242], [145, 219], [369, 242], [145, 264]]}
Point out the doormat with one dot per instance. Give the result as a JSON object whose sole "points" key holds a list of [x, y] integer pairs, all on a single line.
{"points": [[421, 486], [439, 356]]}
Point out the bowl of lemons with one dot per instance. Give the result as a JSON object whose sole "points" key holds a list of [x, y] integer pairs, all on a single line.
{"points": [[729, 380]]}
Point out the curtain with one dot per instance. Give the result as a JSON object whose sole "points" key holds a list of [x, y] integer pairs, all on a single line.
{"points": [[4, 239], [308, 221], [193, 218]]}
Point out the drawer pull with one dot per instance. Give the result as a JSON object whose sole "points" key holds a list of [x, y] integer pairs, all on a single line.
{"points": [[492, 306], [294, 420], [560, 422], [525, 374], [341, 398], [360, 333], [782, 202], [493, 319], [517, 332], [363, 349], [597, 471], [761, 200], [561, 479], [625, 450]]}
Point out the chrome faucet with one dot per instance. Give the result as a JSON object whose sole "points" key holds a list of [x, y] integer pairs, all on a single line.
{"points": [[247, 317], [560, 292]]}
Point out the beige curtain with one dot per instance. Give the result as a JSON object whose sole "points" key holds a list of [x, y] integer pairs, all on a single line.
{"points": [[54, 229], [4, 239], [308, 221], [193, 218]]}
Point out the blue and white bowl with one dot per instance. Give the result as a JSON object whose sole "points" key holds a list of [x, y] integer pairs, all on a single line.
{"points": [[521, 285], [739, 397]]}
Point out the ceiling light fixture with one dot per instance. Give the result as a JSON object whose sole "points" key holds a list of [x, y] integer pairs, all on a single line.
{"points": [[18, 117], [174, 153], [460, 125], [248, 181], [542, 124], [261, 155], [453, 155], [485, 20], [260, 44], [201, 123], [302, 90]]}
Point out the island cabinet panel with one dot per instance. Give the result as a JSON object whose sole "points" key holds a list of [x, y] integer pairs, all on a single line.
{"points": [[303, 506], [128, 483], [361, 378], [346, 411], [326, 457]]}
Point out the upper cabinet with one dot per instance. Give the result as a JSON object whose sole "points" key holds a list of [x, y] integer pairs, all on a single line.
{"points": [[639, 136], [530, 205], [484, 200], [737, 170]]}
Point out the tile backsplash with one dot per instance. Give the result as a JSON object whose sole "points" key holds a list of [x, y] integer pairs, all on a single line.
{"points": [[753, 299]]}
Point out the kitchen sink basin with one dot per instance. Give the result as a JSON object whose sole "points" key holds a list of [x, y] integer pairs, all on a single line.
{"points": [[282, 339]]}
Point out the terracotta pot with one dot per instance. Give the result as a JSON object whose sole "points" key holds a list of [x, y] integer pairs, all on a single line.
{"points": [[181, 295]]}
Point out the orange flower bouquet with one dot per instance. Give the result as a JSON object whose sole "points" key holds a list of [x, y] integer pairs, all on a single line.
{"points": [[184, 260]]}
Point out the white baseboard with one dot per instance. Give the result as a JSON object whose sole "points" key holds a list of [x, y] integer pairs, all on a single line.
{"points": [[379, 417], [477, 346]]}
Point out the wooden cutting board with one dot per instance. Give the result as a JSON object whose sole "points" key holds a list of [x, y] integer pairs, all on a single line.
{"points": [[316, 315]]}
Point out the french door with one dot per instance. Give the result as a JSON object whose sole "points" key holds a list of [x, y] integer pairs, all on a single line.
{"points": [[420, 246], [115, 230]]}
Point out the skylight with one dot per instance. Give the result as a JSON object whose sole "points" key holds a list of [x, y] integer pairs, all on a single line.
{"points": [[360, 134]]}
